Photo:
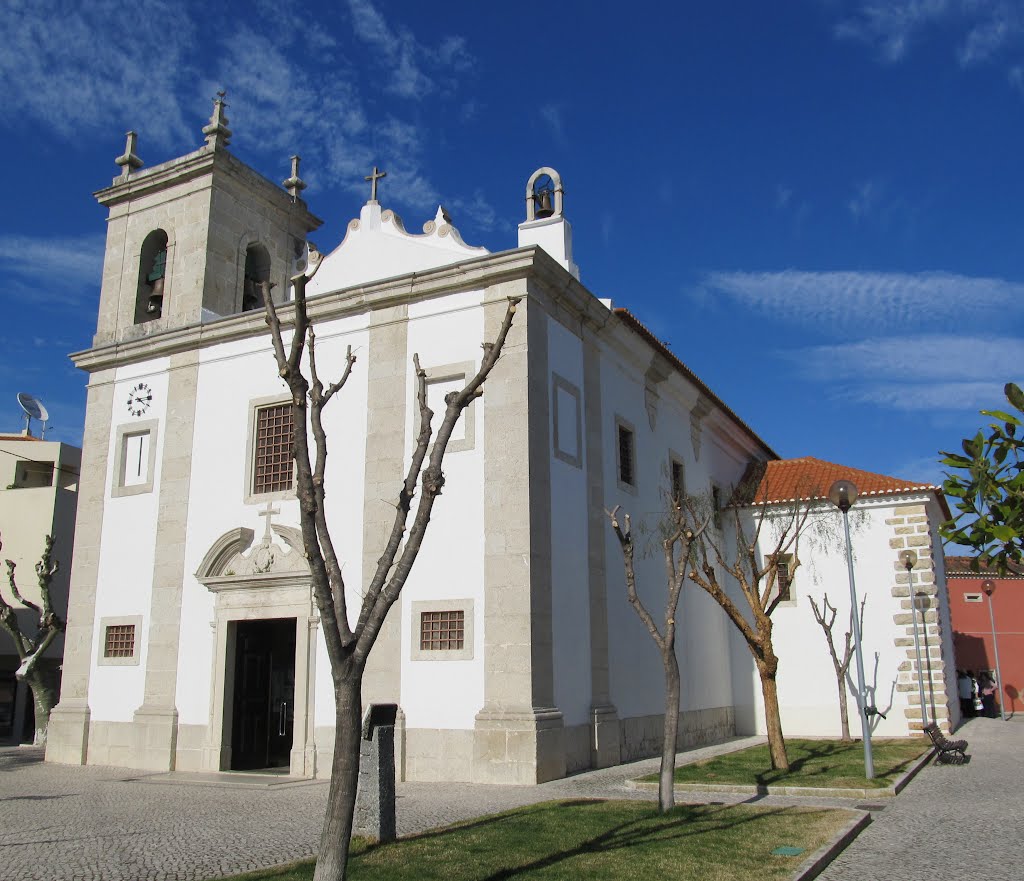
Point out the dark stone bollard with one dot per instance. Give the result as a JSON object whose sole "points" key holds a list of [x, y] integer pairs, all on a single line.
{"points": [[375, 798]]}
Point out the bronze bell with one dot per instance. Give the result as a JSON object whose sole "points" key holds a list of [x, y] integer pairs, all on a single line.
{"points": [[542, 200]]}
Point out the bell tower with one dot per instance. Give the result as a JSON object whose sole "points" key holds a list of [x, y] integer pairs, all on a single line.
{"points": [[189, 241], [545, 223]]}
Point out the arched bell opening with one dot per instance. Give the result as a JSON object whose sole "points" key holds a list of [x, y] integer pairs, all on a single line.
{"points": [[149, 297], [257, 271], [544, 194]]}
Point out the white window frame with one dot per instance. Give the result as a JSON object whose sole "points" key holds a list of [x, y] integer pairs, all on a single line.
{"points": [[418, 607], [119, 621], [461, 370], [560, 383], [123, 433], [248, 496], [622, 424]]}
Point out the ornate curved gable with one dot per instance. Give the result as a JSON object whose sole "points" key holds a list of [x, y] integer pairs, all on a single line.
{"points": [[233, 560]]}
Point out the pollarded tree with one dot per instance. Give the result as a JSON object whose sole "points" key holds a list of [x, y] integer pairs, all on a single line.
{"points": [[348, 645], [31, 647], [677, 542], [734, 550], [826, 617], [987, 482]]}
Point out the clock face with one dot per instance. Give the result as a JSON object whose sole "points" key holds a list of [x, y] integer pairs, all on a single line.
{"points": [[139, 399]]}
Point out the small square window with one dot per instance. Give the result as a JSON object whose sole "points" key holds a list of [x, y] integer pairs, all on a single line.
{"points": [[972, 597], [119, 641], [272, 454], [441, 630]]}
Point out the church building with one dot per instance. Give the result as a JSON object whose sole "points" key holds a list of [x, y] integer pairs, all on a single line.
{"points": [[193, 640]]}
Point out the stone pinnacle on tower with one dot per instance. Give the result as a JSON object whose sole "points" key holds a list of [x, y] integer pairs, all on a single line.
{"points": [[217, 132], [129, 161], [295, 184]]}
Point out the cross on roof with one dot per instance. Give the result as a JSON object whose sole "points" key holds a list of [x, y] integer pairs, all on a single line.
{"points": [[268, 512], [373, 178]]}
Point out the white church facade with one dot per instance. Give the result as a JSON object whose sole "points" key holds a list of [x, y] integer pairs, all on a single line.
{"points": [[193, 640]]}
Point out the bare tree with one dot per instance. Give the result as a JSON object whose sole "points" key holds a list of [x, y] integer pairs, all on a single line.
{"points": [[676, 545], [349, 647], [826, 617], [757, 576], [31, 648]]}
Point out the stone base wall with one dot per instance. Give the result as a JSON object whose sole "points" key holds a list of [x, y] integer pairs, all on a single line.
{"points": [[640, 736]]}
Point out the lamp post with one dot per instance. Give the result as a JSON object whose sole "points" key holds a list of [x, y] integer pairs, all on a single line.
{"points": [[989, 586], [909, 560], [843, 494]]}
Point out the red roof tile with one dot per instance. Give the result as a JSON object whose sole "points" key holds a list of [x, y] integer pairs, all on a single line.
{"points": [[961, 567], [787, 480]]}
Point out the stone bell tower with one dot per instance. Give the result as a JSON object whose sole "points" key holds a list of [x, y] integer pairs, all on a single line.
{"points": [[190, 240]]}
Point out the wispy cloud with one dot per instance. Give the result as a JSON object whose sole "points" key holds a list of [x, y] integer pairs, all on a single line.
{"points": [[878, 301], [865, 199], [78, 260], [930, 372], [551, 114], [984, 28], [96, 66], [477, 210], [413, 65]]}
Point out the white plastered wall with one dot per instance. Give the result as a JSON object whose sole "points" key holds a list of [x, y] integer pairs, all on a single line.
{"points": [[127, 551]]}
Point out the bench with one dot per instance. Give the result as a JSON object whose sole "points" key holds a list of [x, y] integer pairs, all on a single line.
{"points": [[954, 751]]}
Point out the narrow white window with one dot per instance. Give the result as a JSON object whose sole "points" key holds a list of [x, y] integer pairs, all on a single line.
{"points": [[136, 459]]}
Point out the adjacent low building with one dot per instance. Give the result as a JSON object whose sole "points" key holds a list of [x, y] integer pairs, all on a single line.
{"points": [[38, 497]]}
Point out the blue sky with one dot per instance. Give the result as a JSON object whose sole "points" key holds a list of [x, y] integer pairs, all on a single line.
{"points": [[816, 203]]}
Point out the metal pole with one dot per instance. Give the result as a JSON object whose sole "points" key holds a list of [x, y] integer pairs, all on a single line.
{"points": [[917, 649], [995, 648], [869, 764]]}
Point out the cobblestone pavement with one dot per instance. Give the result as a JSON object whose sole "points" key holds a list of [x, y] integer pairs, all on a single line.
{"points": [[952, 821], [66, 823]]}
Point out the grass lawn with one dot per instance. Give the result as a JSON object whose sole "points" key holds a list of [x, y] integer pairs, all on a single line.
{"points": [[811, 763], [596, 839]]}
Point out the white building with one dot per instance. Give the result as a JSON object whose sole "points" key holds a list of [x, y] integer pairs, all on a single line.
{"points": [[38, 496], [193, 639]]}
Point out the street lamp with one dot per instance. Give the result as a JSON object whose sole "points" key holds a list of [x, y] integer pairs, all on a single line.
{"points": [[843, 494], [909, 560], [989, 586]]}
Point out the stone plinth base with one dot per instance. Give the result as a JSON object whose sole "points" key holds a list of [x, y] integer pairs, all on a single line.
{"points": [[518, 746]]}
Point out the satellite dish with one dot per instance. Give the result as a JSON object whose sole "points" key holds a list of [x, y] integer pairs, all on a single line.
{"points": [[33, 409]]}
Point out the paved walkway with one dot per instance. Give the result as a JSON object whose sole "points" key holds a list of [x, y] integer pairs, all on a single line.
{"points": [[61, 823]]}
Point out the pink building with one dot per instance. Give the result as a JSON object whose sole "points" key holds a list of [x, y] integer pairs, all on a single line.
{"points": [[972, 625]]}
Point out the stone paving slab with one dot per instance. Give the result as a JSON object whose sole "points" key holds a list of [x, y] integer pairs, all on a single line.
{"points": [[68, 823]]}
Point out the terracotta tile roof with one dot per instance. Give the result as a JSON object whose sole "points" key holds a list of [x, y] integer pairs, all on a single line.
{"points": [[789, 480], [18, 437], [638, 327], [960, 567]]}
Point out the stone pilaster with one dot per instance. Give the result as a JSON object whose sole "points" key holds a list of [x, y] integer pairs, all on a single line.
{"points": [[156, 721], [68, 732], [519, 735], [910, 529], [389, 367], [604, 718]]}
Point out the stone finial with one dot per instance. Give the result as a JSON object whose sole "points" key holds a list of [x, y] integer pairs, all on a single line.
{"points": [[217, 132], [295, 184], [129, 161]]}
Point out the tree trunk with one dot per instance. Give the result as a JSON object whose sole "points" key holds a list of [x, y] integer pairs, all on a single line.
{"points": [[772, 718], [44, 696], [666, 780], [844, 716], [341, 798]]}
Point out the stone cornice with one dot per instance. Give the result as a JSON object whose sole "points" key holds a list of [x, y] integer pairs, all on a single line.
{"points": [[204, 161], [478, 273]]}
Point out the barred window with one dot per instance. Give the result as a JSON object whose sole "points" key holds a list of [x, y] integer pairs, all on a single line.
{"points": [[442, 631], [626, 453], [119, 641], [272, 465], [785, 580], [678, 482]]}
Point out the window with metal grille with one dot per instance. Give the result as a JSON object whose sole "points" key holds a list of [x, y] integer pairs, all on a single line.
{"points": [[785, 580], [678, 480], [272, 465], [442, 631], [119, 641], [626, 461]]}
